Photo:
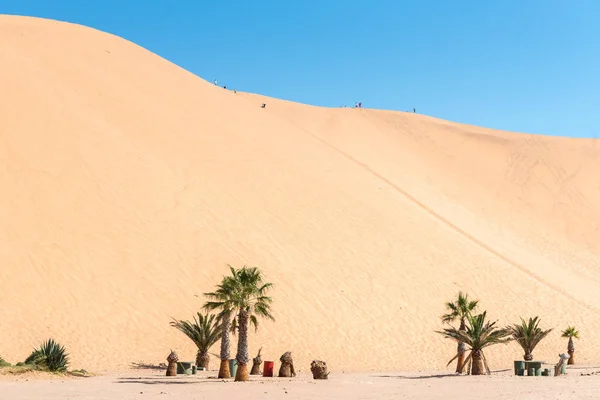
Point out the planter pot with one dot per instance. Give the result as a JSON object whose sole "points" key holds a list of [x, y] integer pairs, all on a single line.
{"points": [[184, 367], [268, 369], [233, 367]]}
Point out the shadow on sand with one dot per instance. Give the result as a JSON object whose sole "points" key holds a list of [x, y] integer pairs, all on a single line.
{"points": [[149, 380], [436, 376], [147, 366]]}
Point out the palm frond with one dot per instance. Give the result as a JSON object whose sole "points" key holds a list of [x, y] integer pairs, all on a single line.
{"points": [[528, 334], [204, 331], [570, 332], [459, 309]]}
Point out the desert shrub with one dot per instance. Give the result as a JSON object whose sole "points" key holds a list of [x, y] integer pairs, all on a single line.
{"points": [[51, 356], [4, 363]]}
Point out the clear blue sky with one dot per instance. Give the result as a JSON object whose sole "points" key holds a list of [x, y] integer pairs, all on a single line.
{"points": [[523, 65]]}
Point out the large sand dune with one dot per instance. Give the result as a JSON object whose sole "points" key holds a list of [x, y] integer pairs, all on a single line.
{"points": [[127, 184]]}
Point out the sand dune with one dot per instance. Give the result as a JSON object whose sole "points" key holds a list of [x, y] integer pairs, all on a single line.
{"points": [[129, 183]]}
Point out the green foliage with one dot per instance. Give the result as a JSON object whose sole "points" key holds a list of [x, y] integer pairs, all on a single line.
{"points": [[204, 331], [460, 309], [528, 334], [478, 335], [570, 332], [243, 290], [4, 363], [51, 356]]}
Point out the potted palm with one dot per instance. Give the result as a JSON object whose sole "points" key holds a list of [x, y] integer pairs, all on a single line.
{"points": [[528, 334], [571, 333], [204, 332], [478, 335]]}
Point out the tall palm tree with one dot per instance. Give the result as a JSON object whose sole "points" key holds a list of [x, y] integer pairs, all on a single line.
{"points": [[478, 335], [248, 298], [222, 300], [528, 335], [460, 309], [204, 332], [571, 333]]}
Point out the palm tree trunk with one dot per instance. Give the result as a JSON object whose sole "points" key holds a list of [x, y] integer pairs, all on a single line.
{"points": [[242, 356], [461, 349], [528, 356], [224, 372], [571, 351], [478, 368], [202, 360]]}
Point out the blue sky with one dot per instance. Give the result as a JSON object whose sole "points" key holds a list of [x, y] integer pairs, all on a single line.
{"points": [[522, 65]]}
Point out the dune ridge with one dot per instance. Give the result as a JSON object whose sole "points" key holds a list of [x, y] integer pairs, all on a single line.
{"points": [[128, 184]]}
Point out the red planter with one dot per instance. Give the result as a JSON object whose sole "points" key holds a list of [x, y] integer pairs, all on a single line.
{"points": [[268, 368]]}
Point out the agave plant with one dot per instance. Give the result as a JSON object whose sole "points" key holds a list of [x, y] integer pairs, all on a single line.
{"points": [[204, 332], [478, 335], [51, 356], [571, 333], [528, 334]]}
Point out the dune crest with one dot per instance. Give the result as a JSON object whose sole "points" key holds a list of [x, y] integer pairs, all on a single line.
{"points": [[128, 184]]}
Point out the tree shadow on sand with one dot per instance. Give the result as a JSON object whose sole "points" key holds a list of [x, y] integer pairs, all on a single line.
{"points": [[161, 380], [147, 366], [435, 376]]}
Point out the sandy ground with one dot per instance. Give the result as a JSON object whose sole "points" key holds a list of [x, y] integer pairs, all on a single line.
{"points": [[127, 185], [154, 385]]}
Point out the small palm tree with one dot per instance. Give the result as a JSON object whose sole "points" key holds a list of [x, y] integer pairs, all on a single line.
{"points": [[571, 333], [204, 332], [478, 335], [222, 300], [528, 335], [460, 310], [248, 298]]}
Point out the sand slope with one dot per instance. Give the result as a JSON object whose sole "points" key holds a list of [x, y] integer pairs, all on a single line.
{"points": [[127, 185]]}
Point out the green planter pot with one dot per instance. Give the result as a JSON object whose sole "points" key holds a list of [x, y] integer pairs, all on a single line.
{"points": [[233, 367], [519, 365], [184, 367]]}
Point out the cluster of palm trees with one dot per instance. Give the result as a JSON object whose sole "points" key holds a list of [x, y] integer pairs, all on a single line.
{"points": [[239, 300], [477, 333]]}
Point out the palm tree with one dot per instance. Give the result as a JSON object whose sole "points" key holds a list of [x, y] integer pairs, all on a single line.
{"points": [[528, 335], [248, 298], [460, 309], [204, 332], [478, 335], [222, 301], [571, 333]]}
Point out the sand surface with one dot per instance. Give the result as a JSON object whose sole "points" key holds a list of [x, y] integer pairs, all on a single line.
{"points": [[154, 385], [127, 185]]}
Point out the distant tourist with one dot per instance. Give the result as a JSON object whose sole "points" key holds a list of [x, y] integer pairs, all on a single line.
{"points": [[359, 105], [225, 87], [234, 91], [216, 82], [414, 110], [263, 105]]}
